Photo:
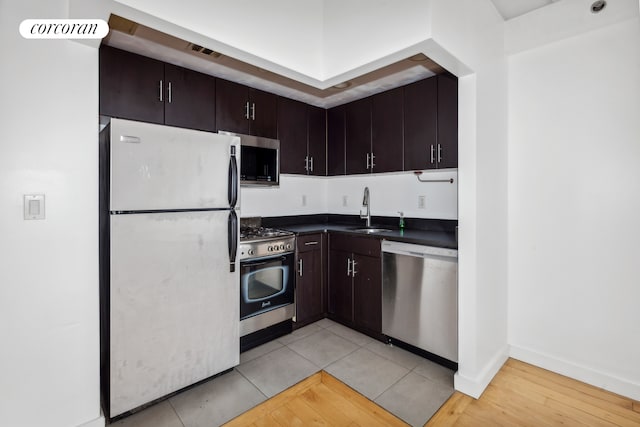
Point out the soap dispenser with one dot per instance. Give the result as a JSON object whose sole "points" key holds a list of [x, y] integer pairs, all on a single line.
{"points": [[401, 224]]}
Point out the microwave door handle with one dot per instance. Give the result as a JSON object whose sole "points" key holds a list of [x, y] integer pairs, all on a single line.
{"points": [[233, 178], [232, 239]]}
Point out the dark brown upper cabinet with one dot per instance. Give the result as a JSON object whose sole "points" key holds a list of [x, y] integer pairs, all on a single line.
{"points": [[447, 150], [431, 123], [292, 133], [139, 88], [190, 99], [420, 124], [302, 135], [317, 140], [336, 141], [358, 136], [242, 109], [386, 131]]}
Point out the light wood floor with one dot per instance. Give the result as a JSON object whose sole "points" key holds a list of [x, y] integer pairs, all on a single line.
{"points": [[320, 400], [524, 395], [519, 395]]}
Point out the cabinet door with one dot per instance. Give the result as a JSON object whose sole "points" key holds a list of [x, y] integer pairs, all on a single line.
{"points": [[190, 99], [420, 124], [231, 106], [264, 117], [367, 293], [386, 131], [292, 133], [336, 141], [358, 135], [317, 140], [131, 86], [447, 152], [340, 285], [310, 293]]}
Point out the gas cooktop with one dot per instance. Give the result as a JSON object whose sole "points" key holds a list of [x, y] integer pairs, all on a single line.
{"points": [[262, 233]]}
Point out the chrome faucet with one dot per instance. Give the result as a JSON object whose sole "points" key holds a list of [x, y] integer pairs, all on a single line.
{"points": [[366, 202]]}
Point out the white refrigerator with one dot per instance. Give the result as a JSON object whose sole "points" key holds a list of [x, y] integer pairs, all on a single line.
{"points": [[172, 299]]}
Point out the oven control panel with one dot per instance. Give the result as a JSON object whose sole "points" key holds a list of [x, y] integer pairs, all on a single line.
{"points": [[258, 249]]}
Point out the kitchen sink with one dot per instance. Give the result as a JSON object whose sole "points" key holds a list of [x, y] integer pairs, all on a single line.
{"points": [[370, 230]]}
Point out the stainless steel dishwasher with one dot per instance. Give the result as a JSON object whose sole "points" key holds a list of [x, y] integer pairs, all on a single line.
{"points": [[420, 297]]}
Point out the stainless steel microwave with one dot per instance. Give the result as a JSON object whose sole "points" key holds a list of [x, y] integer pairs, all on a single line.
{"points": [[259, 160]]}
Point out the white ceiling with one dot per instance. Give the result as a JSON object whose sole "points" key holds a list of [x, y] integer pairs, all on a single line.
{"points": [[159, 49], [512, 8]]}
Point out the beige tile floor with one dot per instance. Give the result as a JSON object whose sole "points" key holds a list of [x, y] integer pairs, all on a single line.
{"points": [[407, 385]]}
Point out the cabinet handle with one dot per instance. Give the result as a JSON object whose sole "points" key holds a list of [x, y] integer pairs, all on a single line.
{"points": [[160, 90], [372, 163], [170, 97], [311, 163], [314, 242], [246, 110], [300, 267], [348, 266], [432, 154], [353, 268], [253, 111], [439, 153], [367, 160], [306, 163]]}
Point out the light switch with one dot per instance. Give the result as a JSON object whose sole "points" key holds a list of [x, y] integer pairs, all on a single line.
{"points": [[34, 206]]}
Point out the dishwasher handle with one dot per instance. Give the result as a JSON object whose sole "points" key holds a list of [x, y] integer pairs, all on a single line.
{"points": [[420, 251]]}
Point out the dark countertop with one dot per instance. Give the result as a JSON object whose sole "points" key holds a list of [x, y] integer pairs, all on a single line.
{"points": [[438, 238]]}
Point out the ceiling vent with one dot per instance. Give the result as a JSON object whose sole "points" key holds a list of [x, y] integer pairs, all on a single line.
{"points": [[203, 50]]}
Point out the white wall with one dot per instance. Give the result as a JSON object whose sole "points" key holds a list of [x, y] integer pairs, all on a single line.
{"points": [[393, 192], [285, 199], [390, 193], [49, 268], [574, 198], [468, 36]]}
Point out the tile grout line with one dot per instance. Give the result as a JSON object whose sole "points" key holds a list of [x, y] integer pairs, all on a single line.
{"points": [[264, 354], [252, 383], [176, 412]]}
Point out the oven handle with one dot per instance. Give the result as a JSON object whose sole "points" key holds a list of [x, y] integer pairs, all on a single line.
{"points": [[232, 239], [264, 260]]}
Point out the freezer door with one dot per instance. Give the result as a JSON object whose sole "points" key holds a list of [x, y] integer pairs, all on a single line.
{"points": [[174, 305], [155, 167]]}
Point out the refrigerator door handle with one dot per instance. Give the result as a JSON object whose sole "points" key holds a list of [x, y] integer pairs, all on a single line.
{"points": [[233, 178], [233, 240]]}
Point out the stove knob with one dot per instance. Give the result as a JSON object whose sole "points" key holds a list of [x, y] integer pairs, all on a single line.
{"points": [[288, 245], [270, 248], [282, 247], [250, 252]]}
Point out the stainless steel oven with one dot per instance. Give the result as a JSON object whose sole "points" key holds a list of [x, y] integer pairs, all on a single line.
{"points": [[266, 278]]}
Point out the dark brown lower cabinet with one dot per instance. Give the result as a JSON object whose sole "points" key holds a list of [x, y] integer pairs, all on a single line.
{"points": [[367, 293], [340, 286], [355, 282], [311, 294]]}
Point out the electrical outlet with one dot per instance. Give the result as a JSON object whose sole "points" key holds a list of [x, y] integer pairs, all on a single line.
{"points": [[344, 201], [304, 200], [421, 202]]}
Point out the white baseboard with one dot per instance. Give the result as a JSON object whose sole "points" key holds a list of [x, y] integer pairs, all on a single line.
{"points": [[579, 372], [475, 386], [98, 422]]}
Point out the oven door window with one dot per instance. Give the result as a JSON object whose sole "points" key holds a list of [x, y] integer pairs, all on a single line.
{"points": [[265, 284]]}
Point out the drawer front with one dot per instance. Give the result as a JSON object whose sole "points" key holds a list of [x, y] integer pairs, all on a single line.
{"points": [[363, 245], [309, 242]]}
